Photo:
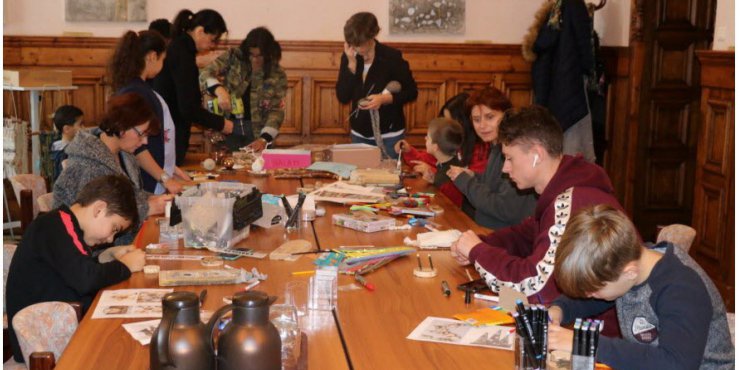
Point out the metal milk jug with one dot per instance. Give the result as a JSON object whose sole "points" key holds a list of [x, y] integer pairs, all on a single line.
{"points": [[180, 342], [250, 341]]}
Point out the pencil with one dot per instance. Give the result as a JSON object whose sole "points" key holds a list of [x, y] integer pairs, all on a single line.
{"points": [[309, 252], [301, 273]]}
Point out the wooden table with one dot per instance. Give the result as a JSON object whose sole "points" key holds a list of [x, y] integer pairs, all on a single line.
{"points": [[367, 330], [375, 324]]}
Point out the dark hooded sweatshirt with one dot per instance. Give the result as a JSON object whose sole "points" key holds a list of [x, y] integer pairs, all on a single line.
{"points": [[522, 257]]}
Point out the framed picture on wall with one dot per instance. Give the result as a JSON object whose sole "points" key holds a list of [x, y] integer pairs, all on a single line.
{"points": [[105, 10], [427, 17]]}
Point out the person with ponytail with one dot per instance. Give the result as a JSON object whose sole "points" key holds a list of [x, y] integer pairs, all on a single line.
{"points": [[109, 150], [137, 58], [177, 83], [253, 89]]}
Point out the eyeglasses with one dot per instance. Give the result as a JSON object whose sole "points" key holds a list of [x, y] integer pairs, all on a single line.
{"points": [[136, 130]]}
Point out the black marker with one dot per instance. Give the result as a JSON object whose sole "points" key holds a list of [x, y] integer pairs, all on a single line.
{"points": [[521, 328], [583, 350], [446, 288], [593, 337], [202, 296], [576, 336]]}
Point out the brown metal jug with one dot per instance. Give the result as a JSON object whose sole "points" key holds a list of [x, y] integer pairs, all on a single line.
{"points": [[250, 341], [180, 342]]}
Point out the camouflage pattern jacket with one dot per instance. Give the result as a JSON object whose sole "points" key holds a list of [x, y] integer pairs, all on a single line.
{"points": [[267, 95]]}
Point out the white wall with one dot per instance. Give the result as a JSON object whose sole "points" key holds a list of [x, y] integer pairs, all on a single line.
{"points": [[724, 26], [496, 21]]}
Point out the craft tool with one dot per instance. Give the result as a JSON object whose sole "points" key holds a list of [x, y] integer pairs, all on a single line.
{"points": [[251, 285], [576, 337], [202, 296], [360, 279], [286, 205], [398, 163], [374, 266], [431, 264], [303, 273], [485, 297], [174, 257], [418, 259], [309, 252], [446, 288], [528, 331], [521, 328]]}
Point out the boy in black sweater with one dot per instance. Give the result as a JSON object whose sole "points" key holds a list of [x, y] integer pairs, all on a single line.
{"points": [[666, 304], [54, 261]]}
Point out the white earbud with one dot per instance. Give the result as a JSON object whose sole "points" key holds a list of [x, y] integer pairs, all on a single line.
{"points": [[534, 162]]}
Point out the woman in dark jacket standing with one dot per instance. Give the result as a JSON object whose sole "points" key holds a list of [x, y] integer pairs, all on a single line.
{"points": [[559, 47], [366, 69], [177, 83]]}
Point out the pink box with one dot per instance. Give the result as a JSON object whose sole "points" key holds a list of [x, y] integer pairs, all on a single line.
{"points": [[286, 158]]}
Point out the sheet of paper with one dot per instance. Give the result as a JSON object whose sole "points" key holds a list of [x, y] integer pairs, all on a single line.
{"points": [[441, 330], [130, 303], [142, 331], [341, 192], [342, 169]]}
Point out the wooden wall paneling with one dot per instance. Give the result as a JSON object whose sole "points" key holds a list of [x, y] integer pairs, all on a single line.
{"points": [[669, 112], [432, 96], [329, 118], [293, 123], [518, 87], [617, 63], [714, 210]]}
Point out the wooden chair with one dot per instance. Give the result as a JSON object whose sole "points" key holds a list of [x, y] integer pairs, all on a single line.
{"points": [[681, 236], [8, 252], [43, 331], [27, 187], [35, 183], [731, 323], [45, 202]]}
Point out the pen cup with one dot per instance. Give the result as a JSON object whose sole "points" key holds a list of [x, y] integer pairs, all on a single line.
{"points": [[296, 294], [522, 361], [578, 362]]}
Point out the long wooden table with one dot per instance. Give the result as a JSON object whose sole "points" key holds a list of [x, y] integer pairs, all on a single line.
{"points": [[367, 330]]}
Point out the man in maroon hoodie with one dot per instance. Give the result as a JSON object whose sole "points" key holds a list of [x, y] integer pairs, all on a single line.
{"points": [[522, 257]]}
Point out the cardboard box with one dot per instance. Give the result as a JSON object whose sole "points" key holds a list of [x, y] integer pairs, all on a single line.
{"points": [[286, 158], [319, 152], [360, 155], [363, 221], [37, 77]]}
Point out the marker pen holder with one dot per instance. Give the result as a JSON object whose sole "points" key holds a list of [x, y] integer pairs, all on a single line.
{"points": [[578, 362], [524, 361]]}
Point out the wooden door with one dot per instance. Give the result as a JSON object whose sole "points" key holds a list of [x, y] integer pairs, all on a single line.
{"points": [[669, 114]]}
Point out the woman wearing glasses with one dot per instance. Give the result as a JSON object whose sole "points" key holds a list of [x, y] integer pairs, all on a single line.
{"points": [[109, 150], [137, 58], [178, 80], [249, 86]]}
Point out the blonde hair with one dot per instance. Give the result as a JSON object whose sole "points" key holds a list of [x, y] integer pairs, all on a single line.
{"points": [[597, 244]]}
